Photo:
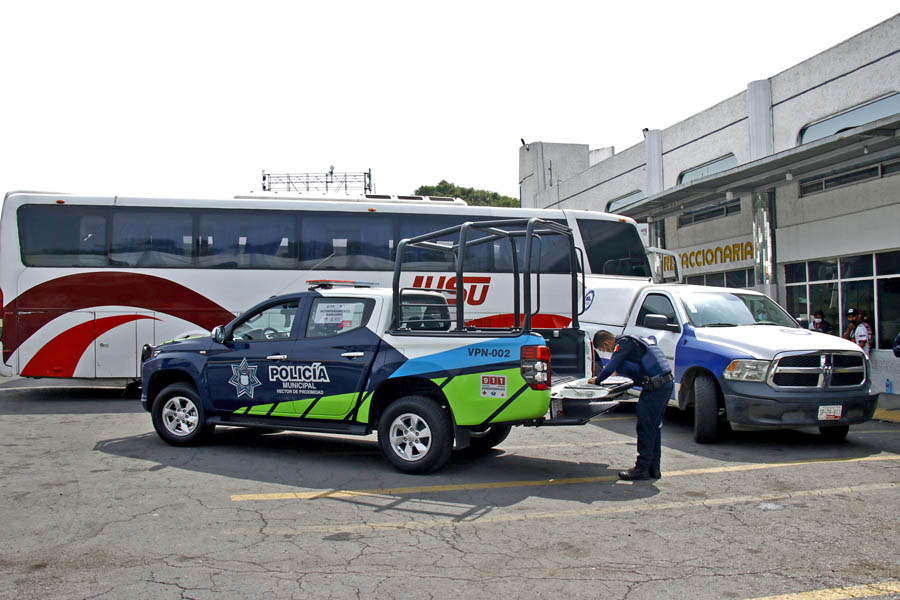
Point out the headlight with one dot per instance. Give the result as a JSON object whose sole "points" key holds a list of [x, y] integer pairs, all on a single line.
{"points": [[747, 370]]}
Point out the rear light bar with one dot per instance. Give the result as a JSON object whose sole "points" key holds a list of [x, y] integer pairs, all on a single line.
{"points": [[535, 367]]}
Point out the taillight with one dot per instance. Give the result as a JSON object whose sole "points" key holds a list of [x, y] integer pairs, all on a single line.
{"points": [[536, 367]]}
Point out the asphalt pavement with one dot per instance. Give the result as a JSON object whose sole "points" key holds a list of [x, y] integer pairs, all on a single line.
{"points": [[94, 505]]}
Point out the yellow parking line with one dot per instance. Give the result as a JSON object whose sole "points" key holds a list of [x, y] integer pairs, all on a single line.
{"points": [[883, 414], [490, 485], [642, 505], [856, 591]]}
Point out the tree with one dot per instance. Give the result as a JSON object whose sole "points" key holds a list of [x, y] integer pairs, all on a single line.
{"points": [[472, 196]]}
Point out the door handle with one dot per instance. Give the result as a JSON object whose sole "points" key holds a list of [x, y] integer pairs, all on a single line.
{"points": [[353, 354], [277, 357]]}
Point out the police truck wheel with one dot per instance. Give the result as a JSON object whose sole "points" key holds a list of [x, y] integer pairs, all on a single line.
{"points": [[415, 434], [178, 416], [483, 441], [706, 410], [835, 433]]}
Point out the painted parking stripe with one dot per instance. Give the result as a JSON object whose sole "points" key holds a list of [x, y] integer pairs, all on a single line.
{"points": [[857, 591], [490, 485], [638, 506]]}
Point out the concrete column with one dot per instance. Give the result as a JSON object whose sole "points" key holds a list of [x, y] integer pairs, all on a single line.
{"points": [[764, 241], [759, 113], [654, 159]]}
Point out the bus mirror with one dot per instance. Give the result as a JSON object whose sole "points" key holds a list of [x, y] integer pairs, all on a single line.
{"points": [[218, 334]]}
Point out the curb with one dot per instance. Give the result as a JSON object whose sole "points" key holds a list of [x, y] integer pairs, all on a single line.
{"points": [[883, 414]]}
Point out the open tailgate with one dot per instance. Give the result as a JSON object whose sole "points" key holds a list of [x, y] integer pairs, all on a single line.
{"points": [[576, 402]]}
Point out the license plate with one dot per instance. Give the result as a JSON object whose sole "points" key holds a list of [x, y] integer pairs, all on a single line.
{"points": [[830, 413]]}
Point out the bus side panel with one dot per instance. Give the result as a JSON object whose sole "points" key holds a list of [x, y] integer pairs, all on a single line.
{"points": [[64, 347]]}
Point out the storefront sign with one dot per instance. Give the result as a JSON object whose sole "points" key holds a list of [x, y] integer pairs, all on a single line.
{"points": [[719, 256]]}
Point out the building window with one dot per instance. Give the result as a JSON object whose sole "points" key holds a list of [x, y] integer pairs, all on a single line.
{"points": [[868, 282], [699, 215], [741, 278], [849, 176], [624, 201], [854, 117], [720, 164]]}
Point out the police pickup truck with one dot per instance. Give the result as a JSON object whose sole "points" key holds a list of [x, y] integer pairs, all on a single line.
{"points": [[353, 360], [739, 359]]}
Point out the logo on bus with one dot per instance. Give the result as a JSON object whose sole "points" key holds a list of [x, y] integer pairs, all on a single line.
{"points": [[474, 290]]}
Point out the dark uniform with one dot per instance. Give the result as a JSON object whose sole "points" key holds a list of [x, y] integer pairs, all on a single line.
{"points": [[643, 361]]}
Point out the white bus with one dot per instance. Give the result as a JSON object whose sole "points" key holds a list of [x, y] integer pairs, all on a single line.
{"points": [[87, 281]]}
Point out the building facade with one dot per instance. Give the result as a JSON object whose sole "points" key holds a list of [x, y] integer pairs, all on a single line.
{"points": [[791, 187]]}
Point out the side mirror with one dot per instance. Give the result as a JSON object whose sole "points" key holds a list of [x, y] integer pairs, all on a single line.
{"points": [[218, 334], [659, 322]]}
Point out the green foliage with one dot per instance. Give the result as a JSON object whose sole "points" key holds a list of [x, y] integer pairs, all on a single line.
{"points": [[472, 196]]}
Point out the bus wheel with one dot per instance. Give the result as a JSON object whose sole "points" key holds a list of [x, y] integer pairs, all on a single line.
{"points": [[178, 416], [481, 441], [706, 410], [415, 435]]}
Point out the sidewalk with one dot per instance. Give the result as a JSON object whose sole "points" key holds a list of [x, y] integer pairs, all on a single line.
{"points": [[888, 408]]}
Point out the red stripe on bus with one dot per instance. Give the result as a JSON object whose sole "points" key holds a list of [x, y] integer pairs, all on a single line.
{"points": [[51, 299], [539, 321], [60, 356]]}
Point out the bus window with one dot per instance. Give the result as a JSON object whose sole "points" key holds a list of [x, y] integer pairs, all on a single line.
{"points": [[247, 240], [478, 258], [355, 242], [62, 236], [143, 238], [614, 248], [549, 255]]}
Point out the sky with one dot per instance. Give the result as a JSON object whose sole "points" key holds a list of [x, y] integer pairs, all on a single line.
{"points": [[197, 99]]}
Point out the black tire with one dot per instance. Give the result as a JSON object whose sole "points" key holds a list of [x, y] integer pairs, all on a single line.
{"points": [[423, 436], [178, 416], [481, 442], [835, 433], [706, 410]]}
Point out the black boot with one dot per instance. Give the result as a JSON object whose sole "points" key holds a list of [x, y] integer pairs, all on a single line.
{"points": [[655, 473], [634, 474]]}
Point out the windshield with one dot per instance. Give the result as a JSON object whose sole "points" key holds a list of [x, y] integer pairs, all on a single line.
{"points": [[720, 309]]}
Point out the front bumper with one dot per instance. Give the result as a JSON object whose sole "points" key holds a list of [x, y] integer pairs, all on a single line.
{"points": [[758, 405]]}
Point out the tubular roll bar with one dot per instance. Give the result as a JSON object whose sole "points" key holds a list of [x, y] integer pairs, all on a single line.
{"points": [[508, 229]]}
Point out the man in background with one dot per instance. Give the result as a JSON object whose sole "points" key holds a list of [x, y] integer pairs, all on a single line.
{"points": [[819, 323], [857, 331]]}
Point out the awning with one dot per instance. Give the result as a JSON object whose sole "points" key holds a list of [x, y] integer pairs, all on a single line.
{"points": [[774, 170]]}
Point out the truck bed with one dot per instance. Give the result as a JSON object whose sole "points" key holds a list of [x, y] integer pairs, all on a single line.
{"points": [[566, 353]]}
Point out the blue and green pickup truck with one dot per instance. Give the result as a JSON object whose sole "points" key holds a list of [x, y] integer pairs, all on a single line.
{"points": [[348, 359]]}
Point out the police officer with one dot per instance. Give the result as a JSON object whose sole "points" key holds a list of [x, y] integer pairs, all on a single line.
{"points": [[643, 361]]}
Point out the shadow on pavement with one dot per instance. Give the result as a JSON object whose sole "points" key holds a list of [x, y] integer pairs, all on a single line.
{"points": [[769, 446], [330, 464], [37, 400]]}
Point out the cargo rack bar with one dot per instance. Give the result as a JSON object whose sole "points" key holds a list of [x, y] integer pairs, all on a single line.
{"points": [[531, 229]]}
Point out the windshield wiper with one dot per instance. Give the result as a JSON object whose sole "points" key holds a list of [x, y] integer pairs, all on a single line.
{"points": [[718, 325], [767, 323]]}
